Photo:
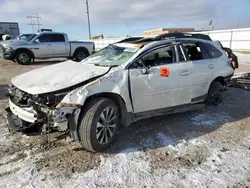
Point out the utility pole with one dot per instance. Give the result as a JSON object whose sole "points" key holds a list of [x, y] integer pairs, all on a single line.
{"points": [[87, 5], [34, 22]]}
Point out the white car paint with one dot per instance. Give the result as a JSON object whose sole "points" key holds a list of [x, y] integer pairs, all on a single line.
{"points": [[56, 77], [188, 80]]}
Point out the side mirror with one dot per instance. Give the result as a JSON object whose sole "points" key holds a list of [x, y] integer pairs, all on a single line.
{"points": [[37, 41], [145, 69]]}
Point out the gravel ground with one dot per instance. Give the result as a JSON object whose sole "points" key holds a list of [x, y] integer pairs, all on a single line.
{"points": [[209, 148]]}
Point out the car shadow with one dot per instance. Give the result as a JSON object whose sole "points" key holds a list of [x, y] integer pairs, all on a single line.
{"points": [[171, 130], [3, 89]]}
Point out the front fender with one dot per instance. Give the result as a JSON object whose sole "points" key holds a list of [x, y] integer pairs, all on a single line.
{"points": [[114, 82], [24, 49]]}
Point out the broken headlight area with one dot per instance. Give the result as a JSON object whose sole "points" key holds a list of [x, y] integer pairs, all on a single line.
{"points": [[37, 110], [22, 98]]}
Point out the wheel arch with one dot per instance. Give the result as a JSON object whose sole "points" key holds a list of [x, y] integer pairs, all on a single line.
{"points": [[114, 97], [81, 48], [221, 80], [23, 50]]}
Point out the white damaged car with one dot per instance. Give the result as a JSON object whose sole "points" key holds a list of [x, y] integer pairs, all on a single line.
{"points": [[118, 85]]}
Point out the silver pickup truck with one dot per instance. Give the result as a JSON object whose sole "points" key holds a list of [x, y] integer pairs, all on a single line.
{"points": [[45, 45]]}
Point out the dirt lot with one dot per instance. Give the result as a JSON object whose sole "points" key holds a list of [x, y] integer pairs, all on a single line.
{"points": [[209, 148]]}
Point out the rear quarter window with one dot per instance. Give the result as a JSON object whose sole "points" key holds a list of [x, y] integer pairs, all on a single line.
{"points": [[213, 52]]}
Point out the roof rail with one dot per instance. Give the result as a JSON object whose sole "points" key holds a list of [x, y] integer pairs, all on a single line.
{"points": [[130, 39], [182, 35]]}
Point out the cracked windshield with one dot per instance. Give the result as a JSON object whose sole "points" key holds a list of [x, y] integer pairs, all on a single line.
{"points": [[111, 55]]}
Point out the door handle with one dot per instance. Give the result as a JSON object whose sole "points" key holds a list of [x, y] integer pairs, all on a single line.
{"points": [[211, 66], [185, 73], [49, 45]]}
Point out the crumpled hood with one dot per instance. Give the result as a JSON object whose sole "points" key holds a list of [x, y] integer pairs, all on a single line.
{"points": [[56, 77]]}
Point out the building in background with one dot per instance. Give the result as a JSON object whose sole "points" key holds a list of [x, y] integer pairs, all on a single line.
{"points": [[155, 32], [10, 28]]}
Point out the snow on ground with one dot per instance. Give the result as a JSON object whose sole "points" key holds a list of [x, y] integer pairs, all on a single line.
{"points": [[192, 161]]}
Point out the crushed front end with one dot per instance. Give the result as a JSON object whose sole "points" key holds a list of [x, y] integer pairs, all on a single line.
{"points": [[43, 112]]}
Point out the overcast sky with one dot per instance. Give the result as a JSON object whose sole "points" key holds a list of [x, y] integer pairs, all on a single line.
{"points": [[121, 17]]}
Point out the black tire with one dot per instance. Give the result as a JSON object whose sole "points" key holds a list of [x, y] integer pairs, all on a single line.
{"points": [[89, 133], [215, 93], [23, 58], [80, 54]]}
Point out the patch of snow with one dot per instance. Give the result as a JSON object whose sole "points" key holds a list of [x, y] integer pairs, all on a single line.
{"points": [[220, 170], [209, 119], [164, 139], [123, 170], [148, 143]]}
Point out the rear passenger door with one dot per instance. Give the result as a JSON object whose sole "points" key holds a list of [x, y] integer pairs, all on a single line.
{"points": [[201, 70], [216, 61], [61, 47]]}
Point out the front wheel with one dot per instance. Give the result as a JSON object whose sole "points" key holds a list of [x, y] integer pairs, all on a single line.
{"points": [[23, 58], [98, 124]]}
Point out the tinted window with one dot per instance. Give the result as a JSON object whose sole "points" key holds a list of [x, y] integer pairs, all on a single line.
{"points": [[214, 53], [194, 51], [44, 38], [58, 38]]}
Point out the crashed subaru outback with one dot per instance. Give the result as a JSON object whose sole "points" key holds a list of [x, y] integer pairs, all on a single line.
{"points": [[118, 85]]}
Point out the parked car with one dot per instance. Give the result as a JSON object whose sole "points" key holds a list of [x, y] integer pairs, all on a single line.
{"points": [[45, 45], [120, 84]]}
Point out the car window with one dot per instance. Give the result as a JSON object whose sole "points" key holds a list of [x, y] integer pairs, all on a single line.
{"points": [[44, 38], [214, 53], [57, 38], [160, 56], [194, 51]]}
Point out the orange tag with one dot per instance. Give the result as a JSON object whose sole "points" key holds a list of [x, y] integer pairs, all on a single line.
{"points": [[164, 71]]}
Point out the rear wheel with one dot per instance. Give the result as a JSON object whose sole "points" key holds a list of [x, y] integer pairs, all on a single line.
{"points": [[80, 54], [215, 93], [23, 58], [98, 124]]}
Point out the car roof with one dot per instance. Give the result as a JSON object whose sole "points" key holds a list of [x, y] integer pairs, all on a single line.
{"points": [[149, 43], [49, 32]]}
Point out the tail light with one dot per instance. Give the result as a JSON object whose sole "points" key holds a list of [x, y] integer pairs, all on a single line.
{"points": [[233, 64]]}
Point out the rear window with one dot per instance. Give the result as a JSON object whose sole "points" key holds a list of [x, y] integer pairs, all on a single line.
{"points": [[213, 52], [58, 38]]}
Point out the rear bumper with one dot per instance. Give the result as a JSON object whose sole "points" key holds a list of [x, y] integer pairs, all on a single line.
{"points": [[228, 78]]}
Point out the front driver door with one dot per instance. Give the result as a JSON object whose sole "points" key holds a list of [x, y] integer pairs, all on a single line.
{"points": [[43, 48], [167, 83]]}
